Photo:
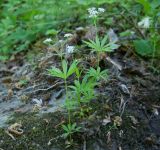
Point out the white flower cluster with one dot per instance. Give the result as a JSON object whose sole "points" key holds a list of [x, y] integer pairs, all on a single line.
{"points": [[145, 22], [93, 12], [70, 49], [49, 40], [101, 10], [67, 35]]}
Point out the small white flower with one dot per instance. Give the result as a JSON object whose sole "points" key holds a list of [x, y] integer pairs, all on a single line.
{"points": [[92, 12], [79, 28], [101, 10], [70, 49], [49, 40], [145, 22], [68, 35], [132, 32], [91, 9], [60, 41]]}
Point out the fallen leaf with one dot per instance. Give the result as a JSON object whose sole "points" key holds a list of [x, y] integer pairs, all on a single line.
{"points": [[16, 129], [124, 88], [37, 102], [106, 120], [155, 111], [134, 120], [112, 36]]}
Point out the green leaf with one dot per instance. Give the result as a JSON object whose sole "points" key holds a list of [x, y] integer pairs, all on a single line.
{"points": [[64, 67], [147, 6], [65, 128], [72, 68], [143, 47], [70, 104], [51, 32], [98, 41], [73, 125], [104, 41], [126, 33], [56, 72]]}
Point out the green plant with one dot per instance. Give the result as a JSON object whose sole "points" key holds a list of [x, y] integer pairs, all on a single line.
{"points": [[83, 92], [143, 47], [60, 53], [84, 88], [100, 45], [97, 74], [64, 74], [69, 130], [149, 23], [23, 82]]}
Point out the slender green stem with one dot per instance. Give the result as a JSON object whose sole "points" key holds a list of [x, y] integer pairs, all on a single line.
{"points": [[154, 40], [69, 112], [95, 20], [95, 24], [65, 82], [61, 56], [79, 99], [98, 57], [154, 50]]}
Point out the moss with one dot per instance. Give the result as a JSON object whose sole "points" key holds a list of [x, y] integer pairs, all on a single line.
{"points": [[37, 132]]}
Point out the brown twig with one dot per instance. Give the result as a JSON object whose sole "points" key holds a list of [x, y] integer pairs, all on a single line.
{"points": [[47, 89]]}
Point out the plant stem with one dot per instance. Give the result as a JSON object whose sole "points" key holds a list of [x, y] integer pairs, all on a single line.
{"points": [[69, 112], [98, 57], [69, 118], [95, 23], [65, 82], [154, 50]]}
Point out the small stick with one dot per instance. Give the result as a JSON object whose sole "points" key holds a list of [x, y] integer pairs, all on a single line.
{"points": [[114, 63], [51, 87], [10, 135], [84, 145]]}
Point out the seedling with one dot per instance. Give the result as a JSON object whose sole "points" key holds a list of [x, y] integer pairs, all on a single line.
{"points": [[100, 46], [97, 74], [83, 91], [23, 82], [69, 130], [60, 54], [64, 74]]}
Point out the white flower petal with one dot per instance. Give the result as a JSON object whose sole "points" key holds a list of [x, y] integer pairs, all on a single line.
{"points": [[70, 49], [101, 10], [47, 40], [92, 12], [145, 22], [68, 35]]}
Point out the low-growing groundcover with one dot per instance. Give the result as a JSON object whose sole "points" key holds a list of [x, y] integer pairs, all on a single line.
{"points": [[79, 75]]}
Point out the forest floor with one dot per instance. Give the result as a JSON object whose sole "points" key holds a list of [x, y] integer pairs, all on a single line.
{"points": [[30, 103]]}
